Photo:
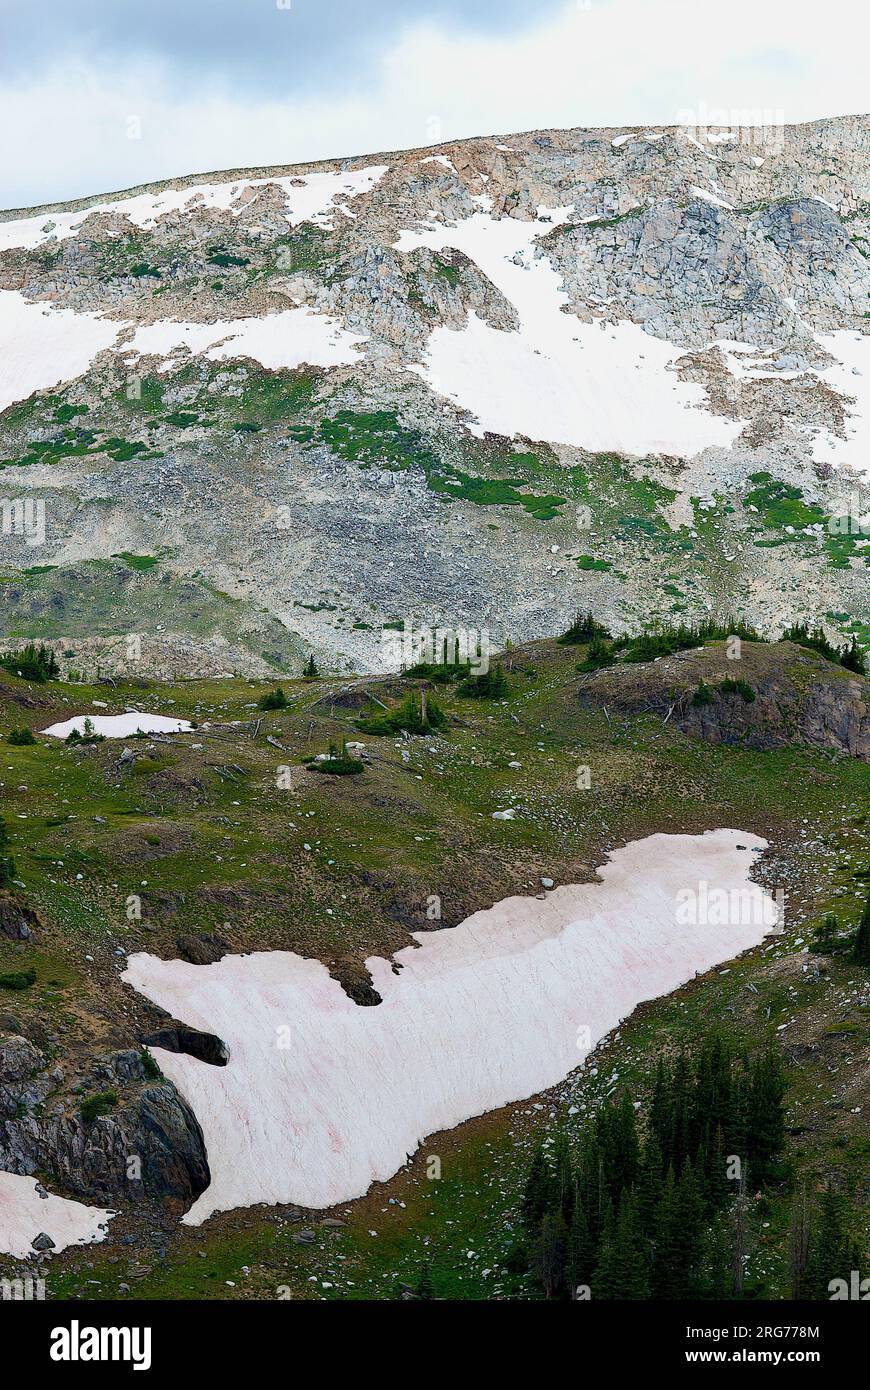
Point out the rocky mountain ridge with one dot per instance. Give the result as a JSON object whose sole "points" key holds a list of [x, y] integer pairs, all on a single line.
{"points": [[479, 386]]}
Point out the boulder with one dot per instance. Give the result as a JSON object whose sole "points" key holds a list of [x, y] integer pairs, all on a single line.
{"points": [[18, 922]]}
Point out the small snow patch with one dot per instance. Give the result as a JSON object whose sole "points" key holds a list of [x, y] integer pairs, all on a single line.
{"points": [[121, 725], [31, 1222]]}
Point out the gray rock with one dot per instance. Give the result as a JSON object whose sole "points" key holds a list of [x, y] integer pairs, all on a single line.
{"points": [[91, 1159], [203, 948], [18, 921]]}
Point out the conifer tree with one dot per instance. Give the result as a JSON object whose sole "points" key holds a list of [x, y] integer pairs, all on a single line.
{"points": [[800, 1236], [717, 1281], [662, 1219], [862, 939], [716, 1172], [622, 1268], [539, 1191], [591, 1185], [678, 1247], [549, 1253], [831, 1255], [581, 1252], [738, 1246], [665, 1280], [690, 1227], [679, 1149], [606, 1212], [737, 1120], [650, 1187], [714, 1096], [564, 1184], [660, 1109], [765, 1116], [626, 1149]]}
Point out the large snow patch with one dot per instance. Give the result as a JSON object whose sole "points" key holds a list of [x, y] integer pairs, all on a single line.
{"points": [[594, 385], [849, 376], [42, 346], [321, 1097], [288, 339]]}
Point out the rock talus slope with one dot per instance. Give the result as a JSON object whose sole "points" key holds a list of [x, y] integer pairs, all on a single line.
{"points": [[254, 414]]}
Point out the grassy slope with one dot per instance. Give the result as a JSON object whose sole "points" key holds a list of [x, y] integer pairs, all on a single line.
{"points": [[207, 839]]}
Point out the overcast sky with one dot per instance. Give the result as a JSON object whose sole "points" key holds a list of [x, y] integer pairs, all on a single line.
{"points": [[98, 95]]}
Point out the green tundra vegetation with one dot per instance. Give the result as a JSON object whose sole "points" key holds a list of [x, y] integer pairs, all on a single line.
{"points": [[17, 979], [275, 699], [862, 936], [31, 663], [667, 638], [340, 868], [415, 715], [100, 1104]]}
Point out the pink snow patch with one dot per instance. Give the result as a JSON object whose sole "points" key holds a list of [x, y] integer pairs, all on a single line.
{"points": [[322, 1097], [120, 725]]}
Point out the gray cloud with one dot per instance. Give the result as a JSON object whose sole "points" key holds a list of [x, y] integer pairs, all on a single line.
{"points": [[222, 84], [314, 44]]}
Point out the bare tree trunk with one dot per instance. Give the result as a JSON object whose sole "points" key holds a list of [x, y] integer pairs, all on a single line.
{"points": [[799, 1242]]}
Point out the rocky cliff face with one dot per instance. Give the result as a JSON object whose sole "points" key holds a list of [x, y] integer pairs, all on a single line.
{"points": [[151, 1145], [772, 697], [264, 412]]}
